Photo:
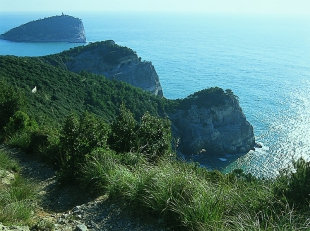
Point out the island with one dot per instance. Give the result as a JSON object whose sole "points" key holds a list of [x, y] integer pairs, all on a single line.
{"points": [[62, 28]]}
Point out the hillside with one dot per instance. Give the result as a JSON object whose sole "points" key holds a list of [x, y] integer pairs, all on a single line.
{"points": [[62, 28], [125, 160], [209, 121], [111, 60], [60, 92]]}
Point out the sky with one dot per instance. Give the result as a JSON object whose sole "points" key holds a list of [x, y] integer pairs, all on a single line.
{"points": [[291, 7]]}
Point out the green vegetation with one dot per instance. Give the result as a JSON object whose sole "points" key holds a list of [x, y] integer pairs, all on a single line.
{"points": [[108, 51], [60, 92], [121, 147], [17, 195]]}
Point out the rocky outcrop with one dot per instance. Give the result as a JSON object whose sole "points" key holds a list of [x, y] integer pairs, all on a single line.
{"points": [[62, 28], [115, 62], [221, 128]]}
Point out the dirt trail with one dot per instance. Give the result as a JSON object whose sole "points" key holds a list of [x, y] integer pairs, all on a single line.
{"points": [[70, 208]]}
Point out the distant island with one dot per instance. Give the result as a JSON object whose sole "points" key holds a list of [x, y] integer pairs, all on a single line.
{"points": [[63, 28]]}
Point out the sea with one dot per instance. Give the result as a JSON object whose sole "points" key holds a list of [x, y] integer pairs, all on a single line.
{"points": [[263, 59]]}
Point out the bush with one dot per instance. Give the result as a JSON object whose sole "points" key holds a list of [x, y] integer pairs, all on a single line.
{"points": [[123, 131], [293, 184], [77, 139], [151, 137], [154, 137], [19, 122], [11, 101]]}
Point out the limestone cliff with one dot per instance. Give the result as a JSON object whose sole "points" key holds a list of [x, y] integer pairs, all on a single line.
{"points": [[212, 123], [62, 28], [114, 62]]}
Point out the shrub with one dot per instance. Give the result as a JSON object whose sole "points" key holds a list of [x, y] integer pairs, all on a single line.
{"points": [[19, 122], [11, 101], [294, 183], [77, 139], [123, 131], [151, 137], [154, 137]]}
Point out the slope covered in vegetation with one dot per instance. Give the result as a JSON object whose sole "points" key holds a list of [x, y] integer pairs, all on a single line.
{"points": [[60, 92], [127, 154]]}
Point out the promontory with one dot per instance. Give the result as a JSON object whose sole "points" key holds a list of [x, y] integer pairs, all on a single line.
{"points": [[63, 28], [101, 76]]}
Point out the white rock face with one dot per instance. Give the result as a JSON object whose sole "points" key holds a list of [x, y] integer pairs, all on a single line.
{"points": [[127, 68], [222, 129]]}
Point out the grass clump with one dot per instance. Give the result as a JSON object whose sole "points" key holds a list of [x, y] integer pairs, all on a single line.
{"points": [[17, 196], [188, 197], [132, 161]]}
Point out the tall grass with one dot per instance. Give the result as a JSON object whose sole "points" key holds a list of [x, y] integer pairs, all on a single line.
{"points": [[16, 199], [8, 163], [190, 198], [20, 140]]}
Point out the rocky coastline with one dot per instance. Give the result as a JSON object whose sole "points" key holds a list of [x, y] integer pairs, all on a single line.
{"points": [[203, 126]]}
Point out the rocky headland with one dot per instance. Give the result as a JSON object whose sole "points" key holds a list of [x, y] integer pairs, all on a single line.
{"points": [[209, 122], [113, 61], [212, 122], [63, 28]]}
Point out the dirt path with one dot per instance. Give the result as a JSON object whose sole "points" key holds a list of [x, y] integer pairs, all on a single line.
{"points": [[69, 208]]}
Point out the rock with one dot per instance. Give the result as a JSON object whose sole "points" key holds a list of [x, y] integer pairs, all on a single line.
{"points": [[212, 129], [6, 177], [114, 62], [81, 227], [62, 28]]}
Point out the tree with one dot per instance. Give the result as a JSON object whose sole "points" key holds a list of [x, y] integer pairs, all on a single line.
{"points": [[154, 137], [123, 131]]}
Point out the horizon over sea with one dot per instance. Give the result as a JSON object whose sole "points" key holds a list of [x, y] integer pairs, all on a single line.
{"points": [[264, 60]]}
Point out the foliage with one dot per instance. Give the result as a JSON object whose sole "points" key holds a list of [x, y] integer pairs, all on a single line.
{"points": [[8, 163], [20, 122], [16, 199], [154, 137], [207, 98], [123, 131], [60, 92], [109, 162], [294, 183], [11, 101], [151, 137], [108, 51], [77, 139], [188, 197]]}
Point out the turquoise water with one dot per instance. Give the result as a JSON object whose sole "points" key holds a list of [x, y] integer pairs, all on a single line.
{"points": [[265, 61]]}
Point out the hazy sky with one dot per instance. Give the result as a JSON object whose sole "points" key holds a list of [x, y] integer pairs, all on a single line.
{"points": [[215, 6]]}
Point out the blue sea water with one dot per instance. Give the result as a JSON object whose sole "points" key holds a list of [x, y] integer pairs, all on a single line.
{"points": [[264, 60]]}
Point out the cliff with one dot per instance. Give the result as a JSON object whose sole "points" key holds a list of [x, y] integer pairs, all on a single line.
{"points": [[113, 61], [212, 122], [62, 28]]}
